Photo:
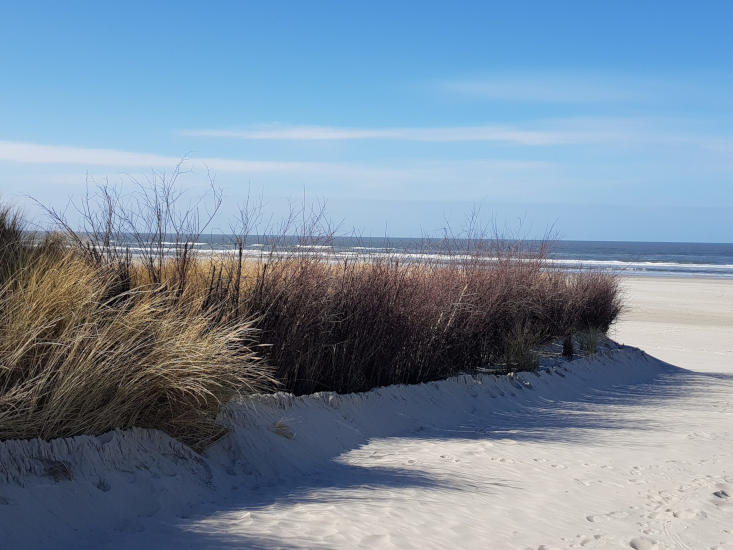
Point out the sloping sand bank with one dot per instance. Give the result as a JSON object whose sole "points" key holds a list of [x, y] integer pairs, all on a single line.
{"points": [[616, 451]]}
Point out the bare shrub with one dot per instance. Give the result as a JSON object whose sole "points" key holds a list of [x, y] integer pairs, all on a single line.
{"points": [[328, 322], [353, 325]]}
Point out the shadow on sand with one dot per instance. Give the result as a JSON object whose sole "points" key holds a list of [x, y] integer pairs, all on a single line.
{"points": [[591, 416]]}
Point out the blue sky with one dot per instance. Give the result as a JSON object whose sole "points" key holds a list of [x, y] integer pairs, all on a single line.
{"points": [[609, 121]]}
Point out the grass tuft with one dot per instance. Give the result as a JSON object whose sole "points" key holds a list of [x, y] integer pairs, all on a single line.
{"points": [[74, 362]]}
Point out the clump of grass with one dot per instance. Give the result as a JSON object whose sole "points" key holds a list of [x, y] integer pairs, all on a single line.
{"points": [[589, 340], [19, 247], [14, 244], [520, 353], [73, 361]]}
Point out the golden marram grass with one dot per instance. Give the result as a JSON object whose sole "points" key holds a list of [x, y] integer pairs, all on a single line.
{"points": [[75, 361]]}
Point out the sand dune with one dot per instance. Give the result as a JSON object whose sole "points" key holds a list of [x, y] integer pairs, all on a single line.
{"points": [[616, 451]]}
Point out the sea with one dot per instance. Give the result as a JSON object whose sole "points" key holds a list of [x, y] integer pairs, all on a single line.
{"points": [[658, 259]]}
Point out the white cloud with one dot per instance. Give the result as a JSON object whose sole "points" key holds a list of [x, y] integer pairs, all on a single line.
{"points": [[37, 154], [33, 153], [498, 134], [548, 88], [621, 131]]}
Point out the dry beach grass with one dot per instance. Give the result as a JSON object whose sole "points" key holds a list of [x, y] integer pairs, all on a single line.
{"points": [[92, 338], [76, 357]]}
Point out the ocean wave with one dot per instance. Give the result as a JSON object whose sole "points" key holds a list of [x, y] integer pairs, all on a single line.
{"points": [[632, 267]]}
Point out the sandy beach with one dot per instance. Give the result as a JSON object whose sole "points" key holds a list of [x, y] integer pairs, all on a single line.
{"points": [[685, 321]]}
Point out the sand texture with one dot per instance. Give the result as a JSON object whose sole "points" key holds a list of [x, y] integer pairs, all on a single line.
{"points": [[686, 322]]}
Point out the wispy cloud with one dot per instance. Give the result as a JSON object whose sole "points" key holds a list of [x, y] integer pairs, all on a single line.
{"points": [[38, 154], [33, 153], [450, 134], [565, 177], [626, 131], [497, 134]]}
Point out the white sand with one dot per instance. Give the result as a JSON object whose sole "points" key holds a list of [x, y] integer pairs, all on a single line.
{"points": [[620, 451], [687, 322]]}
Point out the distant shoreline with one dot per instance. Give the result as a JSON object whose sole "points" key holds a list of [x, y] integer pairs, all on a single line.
{"points": [[676, 276]]}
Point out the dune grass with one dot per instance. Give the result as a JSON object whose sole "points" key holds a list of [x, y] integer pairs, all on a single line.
{"points": [[76, 357], [93, 337]]}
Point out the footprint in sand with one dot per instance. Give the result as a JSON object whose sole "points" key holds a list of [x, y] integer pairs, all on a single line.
{"points": [[103, 485], [660, 514], [587, 483], [502, 460], [620, 514], [586, 540], [643, 543], [690, 514], [700, 435]]}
